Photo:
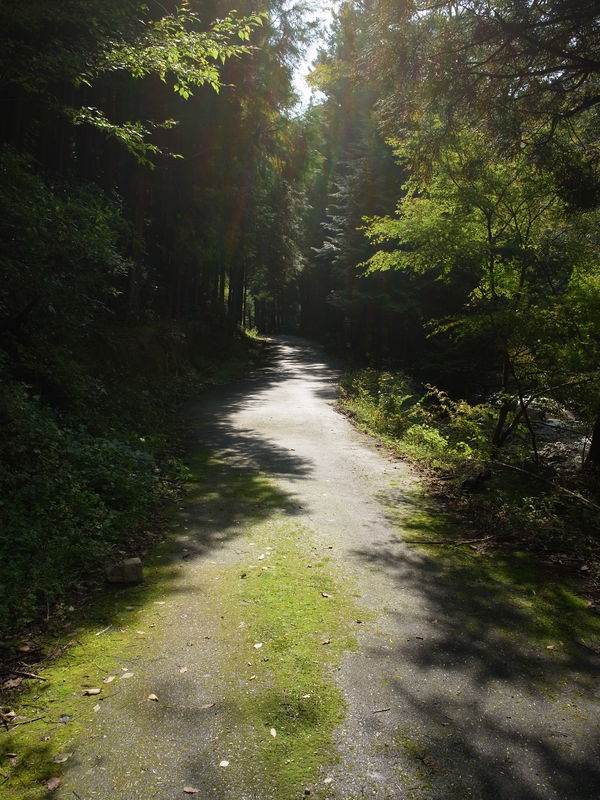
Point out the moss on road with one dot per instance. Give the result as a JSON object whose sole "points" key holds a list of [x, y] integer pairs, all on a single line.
{"points": [[280, 621]]}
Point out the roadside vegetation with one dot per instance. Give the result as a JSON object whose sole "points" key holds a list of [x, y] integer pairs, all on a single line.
{"points": [[502, 496]]}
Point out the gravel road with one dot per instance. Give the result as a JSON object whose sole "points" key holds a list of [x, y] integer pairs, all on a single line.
{"points": [[447, 698]]}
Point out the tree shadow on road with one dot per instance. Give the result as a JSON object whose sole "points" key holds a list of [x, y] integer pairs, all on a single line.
{"points": [[496, 678]]}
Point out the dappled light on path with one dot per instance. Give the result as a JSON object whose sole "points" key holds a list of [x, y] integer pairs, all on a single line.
{"points": [[463, 677]]}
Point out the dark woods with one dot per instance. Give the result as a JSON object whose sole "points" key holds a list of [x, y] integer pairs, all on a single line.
{"points": [[434, 214]]}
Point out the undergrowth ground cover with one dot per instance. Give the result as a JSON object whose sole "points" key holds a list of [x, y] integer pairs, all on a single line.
{"points": [[501, 498], [83, 486]]}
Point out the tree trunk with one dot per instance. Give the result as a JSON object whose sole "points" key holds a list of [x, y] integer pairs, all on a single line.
{"points": [[593, 456]]}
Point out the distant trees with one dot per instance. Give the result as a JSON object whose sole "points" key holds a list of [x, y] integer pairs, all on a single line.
{"points": [[491, 110]]}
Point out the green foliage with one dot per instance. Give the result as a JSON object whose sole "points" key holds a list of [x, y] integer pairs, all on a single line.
{"points": [[46, 48], [424, 423], [85, 396], [67, 496]]}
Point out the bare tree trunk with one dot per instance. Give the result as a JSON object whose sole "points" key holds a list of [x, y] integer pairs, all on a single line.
{"points": [[593, 456]]}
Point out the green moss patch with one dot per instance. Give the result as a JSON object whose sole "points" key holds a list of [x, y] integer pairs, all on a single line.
{"points": [[296, 623], [96, 644], [278, 590], [505, 593]]}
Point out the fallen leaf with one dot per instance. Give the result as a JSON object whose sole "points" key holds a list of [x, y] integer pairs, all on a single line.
{"points": [[12, 683], [183, 669], [325, 594], [127, 675], [258, 645], [190, 790], [551, 647], [273, 732], [153, 697], [328, 780], [110, 679], [207, 705], [10, 755], [129, 608], [24, 648], [224, 763], [252, 678], [52, 784], [97, 707], [326, 641], [142, 633], [159, 602], [62, 757], [91, 691]]}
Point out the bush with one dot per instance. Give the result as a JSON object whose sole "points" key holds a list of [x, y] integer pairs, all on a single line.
{"points": [[67, 497]]}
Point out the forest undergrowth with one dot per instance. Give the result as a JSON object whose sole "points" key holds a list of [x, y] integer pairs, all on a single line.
{"points": [[501, 497], [91, 479]]}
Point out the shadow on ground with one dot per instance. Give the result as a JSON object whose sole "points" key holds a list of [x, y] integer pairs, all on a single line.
{"points": [[497, 678]]}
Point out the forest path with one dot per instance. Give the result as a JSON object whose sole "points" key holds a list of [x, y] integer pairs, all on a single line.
{"points": [[381, 672]]}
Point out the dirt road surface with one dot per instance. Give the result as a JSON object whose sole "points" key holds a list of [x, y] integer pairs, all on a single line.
{"points": [[445, 693]]}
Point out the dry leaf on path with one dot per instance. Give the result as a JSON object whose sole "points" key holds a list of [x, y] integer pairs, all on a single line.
{"points": [[62, 757], [153, 697], [110, 679], [325, 594], [127, 675], [97, 707], [88, 692], [207, 705], [183, 669], [52, 784], [190, 790], [12, 683], [224, 763]]}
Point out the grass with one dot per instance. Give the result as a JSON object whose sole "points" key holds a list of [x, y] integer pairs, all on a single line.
{"points": [[301, 615], [448, 441], [503, 592], [78, 658]]}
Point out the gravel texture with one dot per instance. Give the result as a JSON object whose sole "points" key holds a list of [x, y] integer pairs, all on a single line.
{"points": [[446, 697]]}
